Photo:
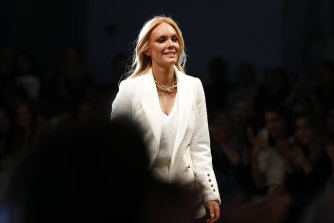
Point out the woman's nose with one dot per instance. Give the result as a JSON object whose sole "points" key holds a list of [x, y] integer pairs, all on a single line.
{"points": [[171, 44]]}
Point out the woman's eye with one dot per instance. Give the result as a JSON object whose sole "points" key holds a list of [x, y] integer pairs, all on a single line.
{"points": [[174, 39], [161, 40]]}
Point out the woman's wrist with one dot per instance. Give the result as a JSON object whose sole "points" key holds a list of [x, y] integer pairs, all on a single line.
{"points": [[209, 201]]}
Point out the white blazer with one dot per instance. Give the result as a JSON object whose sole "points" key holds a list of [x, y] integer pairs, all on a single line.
{"points": [[191, 160]]}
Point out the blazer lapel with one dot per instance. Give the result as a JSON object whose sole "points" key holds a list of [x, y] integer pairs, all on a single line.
{"points": [[184, 107], [151, 106]]}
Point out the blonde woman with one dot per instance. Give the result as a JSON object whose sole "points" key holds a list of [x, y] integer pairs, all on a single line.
{"points": [[170, 107]]}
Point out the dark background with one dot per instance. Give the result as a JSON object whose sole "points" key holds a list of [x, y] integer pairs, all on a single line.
{"points": [[60, 64], [268, 34]]}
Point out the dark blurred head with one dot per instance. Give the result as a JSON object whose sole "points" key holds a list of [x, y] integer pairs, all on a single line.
{"points": [[25, 115], [5, 121], [217, 69], [330, 119], [241, 110], [93, 171], [72, 56], [85, 111], [277, 81], [246, 74], [306, 129], [25, 63], [222, 127], [7, 62], [277, 121], [325, 73]]}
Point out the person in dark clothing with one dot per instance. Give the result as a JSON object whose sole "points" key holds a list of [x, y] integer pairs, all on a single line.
{"points": [[308, 167], [84, 172]]}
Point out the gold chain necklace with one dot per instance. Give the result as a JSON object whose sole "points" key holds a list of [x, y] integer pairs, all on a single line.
{"points": [[165, 88]]}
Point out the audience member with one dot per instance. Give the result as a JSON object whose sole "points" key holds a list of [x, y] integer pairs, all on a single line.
{"points": [[25, 128], [231, 161], [307, 166], [325, 82], [73, 78], [27, 75], [322, 211], [6, 138], [273, 89], [92, 172], [246, 85], [241, 112], [49, 85], [7, 71], [330, 122], [248, 161], [270, 149], [302, 98], [219, 88]]}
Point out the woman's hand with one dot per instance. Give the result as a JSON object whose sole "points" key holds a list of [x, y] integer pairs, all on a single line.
{"points": [[260, 142], [297, 158], [214, 211]]}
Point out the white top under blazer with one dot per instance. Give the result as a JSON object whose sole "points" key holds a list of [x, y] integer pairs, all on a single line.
{"points": [[191, 160], [162, 162]]}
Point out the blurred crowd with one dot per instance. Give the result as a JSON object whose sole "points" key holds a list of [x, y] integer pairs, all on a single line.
{"points": [[272, 141], [33, 100], [272, 136]]}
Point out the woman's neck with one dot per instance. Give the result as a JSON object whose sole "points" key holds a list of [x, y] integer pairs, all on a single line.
{"points": [[164, 76]]}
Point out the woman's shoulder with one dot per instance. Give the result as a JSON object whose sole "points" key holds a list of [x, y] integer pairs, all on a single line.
{"points": [[194, 81], [131, 81], [188, 76]]}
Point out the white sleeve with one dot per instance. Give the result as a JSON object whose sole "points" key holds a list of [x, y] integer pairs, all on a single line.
{"points": [[122, 105], [201, 152]]}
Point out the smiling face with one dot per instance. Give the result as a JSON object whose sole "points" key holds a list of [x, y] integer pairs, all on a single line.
{"points": [[164, 46]]}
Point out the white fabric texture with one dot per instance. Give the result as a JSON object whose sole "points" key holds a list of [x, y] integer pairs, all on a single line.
{"points": [[168, 133], [272, 166], [191, 159]]}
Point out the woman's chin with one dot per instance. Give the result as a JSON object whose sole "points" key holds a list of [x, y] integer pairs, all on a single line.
{"points": [[169, 64]]}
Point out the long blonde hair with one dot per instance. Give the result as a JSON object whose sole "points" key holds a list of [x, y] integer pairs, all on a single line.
{"points": [[140, 61]]}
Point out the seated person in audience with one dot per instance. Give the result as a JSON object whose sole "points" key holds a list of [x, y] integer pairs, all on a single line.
{"points": [[231, 161], [307, 165], [270, 148], [330, 123]]}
